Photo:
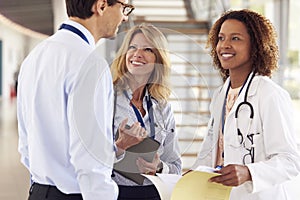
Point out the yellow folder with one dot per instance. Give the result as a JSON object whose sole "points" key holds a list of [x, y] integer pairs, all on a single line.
{"points": [[192, 186]]}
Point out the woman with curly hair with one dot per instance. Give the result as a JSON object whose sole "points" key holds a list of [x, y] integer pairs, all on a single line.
{"points": [[250, 137], [141, 73]]}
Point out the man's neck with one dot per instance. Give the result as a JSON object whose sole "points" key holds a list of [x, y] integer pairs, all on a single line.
{"points": [[87, 23]]}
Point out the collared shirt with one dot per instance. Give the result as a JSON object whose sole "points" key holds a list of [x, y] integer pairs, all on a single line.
{"points": [[64, 108], [165, 133]]}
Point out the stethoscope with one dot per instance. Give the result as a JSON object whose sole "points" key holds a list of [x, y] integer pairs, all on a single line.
{"points": [[245, 103], [249, 136]]}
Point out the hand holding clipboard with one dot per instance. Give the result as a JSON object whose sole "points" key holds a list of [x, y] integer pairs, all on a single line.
{"points": [[127, 167]]}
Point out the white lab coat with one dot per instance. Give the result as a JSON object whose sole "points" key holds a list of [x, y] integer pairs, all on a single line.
{"points": [[276, 157]]}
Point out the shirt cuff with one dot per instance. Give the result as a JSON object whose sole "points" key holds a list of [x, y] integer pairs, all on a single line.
{"points": [[165, 169], [119, 157]]}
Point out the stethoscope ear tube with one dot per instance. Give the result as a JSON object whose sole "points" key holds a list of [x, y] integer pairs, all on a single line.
{"points": [[244, 103], [245, 100]]}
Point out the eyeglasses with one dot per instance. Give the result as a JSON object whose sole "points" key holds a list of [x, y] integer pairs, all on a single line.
{"points": [[127, 8]]}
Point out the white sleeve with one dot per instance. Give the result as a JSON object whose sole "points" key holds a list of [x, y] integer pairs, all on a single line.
{"points": [[279, 143], [91, 142], [23, 143], [170, 157]]}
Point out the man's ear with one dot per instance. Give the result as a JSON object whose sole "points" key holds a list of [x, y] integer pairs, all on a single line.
{"points": [[99, 6]]}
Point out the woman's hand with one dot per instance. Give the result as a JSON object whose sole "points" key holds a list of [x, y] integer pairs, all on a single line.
{"points": [[129, 136], [148, 167], [232, 175]]}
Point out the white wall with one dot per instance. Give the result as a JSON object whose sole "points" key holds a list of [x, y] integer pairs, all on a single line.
{"points": [[15, 46], [59, 13]]}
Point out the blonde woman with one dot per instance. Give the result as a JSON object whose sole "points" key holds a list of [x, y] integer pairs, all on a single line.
{"points": [[140, 76]]}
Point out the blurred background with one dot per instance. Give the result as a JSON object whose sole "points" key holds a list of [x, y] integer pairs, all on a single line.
{"points": [[25, 23]]}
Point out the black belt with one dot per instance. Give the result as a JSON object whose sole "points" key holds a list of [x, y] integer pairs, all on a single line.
{"points": [[40, 191]]}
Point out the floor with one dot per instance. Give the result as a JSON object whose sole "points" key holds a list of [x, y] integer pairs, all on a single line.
{"points": [[14, 181]]}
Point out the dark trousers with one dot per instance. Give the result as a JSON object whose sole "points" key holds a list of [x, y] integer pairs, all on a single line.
{"points": [[48, 192], [138, 192]]}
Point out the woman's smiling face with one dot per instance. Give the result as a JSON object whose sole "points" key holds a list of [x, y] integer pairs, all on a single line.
{"points": [[234, 46], [140, 57]]}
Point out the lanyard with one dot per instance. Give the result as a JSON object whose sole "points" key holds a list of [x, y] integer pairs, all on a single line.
{"points": [[224, 104], [151, 117], [74, 30], [150, 113], [138, 115]]}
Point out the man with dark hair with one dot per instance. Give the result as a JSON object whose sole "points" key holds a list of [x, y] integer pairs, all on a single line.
{"points": [[58, 134]]}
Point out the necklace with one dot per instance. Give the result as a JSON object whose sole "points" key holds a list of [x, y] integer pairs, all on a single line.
{"points": [[138, 106]]}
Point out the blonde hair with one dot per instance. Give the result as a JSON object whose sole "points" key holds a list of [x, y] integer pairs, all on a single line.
{"points": [[158, 83]]}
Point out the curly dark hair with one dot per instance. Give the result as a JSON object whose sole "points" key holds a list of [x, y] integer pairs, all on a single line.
{"points": [[264, 49]]}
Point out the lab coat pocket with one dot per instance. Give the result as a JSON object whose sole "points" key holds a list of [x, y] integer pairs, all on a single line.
{"points": [[258, 146], [233, 140]]}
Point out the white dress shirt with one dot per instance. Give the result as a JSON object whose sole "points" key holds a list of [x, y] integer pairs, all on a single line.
{"points": [[165, 133], [64, 108]]}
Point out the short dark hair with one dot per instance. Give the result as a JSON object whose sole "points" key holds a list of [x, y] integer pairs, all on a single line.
{"points": [[264, 49], [83, 8]]}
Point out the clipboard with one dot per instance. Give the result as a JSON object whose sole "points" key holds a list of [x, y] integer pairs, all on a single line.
{"points": [[127, 166]]}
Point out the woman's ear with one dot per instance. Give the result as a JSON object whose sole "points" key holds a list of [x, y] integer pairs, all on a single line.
{"points": [[99, 6]]}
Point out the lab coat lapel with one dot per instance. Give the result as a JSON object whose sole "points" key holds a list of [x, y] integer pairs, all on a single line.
{"points": [[218, 105], [253, 88], [216, 113]]}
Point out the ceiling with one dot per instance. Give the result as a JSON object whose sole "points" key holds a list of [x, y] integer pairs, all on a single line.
{"points": [[36, 15]]}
